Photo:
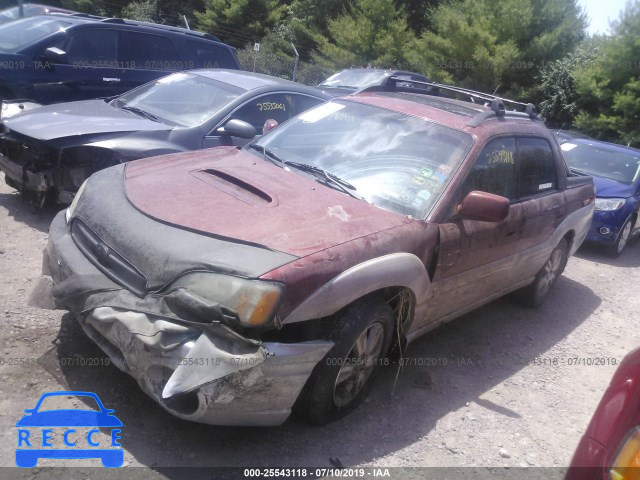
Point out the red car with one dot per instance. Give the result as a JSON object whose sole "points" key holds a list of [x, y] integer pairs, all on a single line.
{"points": [[238, 284], [610, 448]]}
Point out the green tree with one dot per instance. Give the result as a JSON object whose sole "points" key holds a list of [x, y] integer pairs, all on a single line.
{"points": [[372, 32], [239, 22], [92, 7], [610, 88], [144, 11], [498, 44], [418, 13], [556, 91]]}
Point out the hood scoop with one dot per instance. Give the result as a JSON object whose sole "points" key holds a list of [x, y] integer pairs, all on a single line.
{"points": [[231, 185]]}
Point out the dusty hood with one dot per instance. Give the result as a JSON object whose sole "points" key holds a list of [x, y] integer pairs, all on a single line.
{"points": [[78, 118], [236, 195]]}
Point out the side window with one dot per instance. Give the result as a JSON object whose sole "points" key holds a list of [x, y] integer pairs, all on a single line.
{"points": [[495, 169], [211, 56], [537, 167], [302, 103], [92, 47], [278, 106], [148, 51]]}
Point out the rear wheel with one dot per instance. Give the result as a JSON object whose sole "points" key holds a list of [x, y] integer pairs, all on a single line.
{"points": [[341, 381], [535, 294], [623, 238]]}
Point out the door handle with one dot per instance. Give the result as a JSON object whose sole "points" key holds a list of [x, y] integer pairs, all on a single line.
{"points": [[110, 79]]}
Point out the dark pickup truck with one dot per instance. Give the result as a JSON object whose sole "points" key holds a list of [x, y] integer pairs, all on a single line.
{"points": [[237, 285]]}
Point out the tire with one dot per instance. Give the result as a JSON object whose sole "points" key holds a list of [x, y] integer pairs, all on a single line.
{"points": [[342, 379], [623, 238], [535, 294]]}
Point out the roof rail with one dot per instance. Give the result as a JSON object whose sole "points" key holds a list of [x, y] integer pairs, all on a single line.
{"points": [[86, 15], [172, 28], [112, 20], [495, 103]]}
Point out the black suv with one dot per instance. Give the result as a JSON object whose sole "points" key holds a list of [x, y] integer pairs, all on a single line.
{"points": [[56, 58]]}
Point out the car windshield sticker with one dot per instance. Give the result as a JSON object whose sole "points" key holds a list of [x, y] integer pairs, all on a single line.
{"points": [[501, 156], [318, 113], [544, 186], [69, 433], [567, 147], [271, 106]]}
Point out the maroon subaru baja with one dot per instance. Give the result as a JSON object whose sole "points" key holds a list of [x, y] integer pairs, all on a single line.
{"points": [[238, 284]]}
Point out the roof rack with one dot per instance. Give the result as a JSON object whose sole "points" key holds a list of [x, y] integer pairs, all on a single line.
{"points": [[495, 103]]}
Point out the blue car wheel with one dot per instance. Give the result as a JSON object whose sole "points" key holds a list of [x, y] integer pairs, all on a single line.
{"points": [[623, 238]]}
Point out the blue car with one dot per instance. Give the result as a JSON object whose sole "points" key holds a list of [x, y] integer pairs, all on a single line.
{"points": [[616, 173], [68, 418]]}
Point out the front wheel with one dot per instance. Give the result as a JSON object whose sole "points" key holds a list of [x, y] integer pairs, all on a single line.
{"points": [[337, 385], [623, 238], [535, 294]]}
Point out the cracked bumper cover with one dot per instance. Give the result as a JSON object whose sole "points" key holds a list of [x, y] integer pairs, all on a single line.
{"points": [[203, 372]]}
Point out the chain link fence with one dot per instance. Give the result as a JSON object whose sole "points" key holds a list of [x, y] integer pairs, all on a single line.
{"points": [[282, 66]]}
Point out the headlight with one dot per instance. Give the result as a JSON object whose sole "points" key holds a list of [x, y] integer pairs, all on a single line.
{"points": [[12, 107], [254, 301], [69, 213], [609, 204]]}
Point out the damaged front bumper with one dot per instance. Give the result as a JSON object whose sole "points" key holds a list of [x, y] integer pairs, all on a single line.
{"points": [[197, 370]]}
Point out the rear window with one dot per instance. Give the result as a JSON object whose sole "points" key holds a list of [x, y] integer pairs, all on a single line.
{"points": [[212, 56]]}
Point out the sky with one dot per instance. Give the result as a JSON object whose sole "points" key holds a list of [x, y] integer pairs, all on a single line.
{"points": [[601, 12]]}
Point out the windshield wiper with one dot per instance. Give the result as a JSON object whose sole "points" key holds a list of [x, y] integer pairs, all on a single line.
{"points": [[268, 155], [142, 113], [580, 172], [326, 178]]}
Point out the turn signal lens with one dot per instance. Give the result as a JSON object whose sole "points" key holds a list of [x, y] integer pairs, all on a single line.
{"points": [[627, 464]]}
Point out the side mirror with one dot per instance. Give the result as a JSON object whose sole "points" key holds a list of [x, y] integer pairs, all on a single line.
{"points": [[485, 207], [269, 125], [236, 128], [54, 55]]}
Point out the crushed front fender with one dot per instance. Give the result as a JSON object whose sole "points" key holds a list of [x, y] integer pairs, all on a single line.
{"points": [[177, 346]]}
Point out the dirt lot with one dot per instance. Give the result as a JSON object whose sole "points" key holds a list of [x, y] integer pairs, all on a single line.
{"points": [[497, 402]]}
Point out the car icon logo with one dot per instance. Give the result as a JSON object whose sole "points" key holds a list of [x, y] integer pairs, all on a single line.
{"points": [[37, 421]]}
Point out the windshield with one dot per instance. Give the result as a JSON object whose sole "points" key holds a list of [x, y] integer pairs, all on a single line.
{"points": [[394, 161], [21, 33], [355, 78], [183, 99], [603, 161]]}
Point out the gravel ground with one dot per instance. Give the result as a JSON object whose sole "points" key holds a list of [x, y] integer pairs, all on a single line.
{"points": [[502, 386]]}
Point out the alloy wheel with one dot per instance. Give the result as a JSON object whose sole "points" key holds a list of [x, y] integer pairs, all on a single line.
{"points": [[358, 365]]}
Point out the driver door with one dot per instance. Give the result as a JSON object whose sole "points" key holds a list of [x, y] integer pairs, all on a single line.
{"points": [[476, 258]]}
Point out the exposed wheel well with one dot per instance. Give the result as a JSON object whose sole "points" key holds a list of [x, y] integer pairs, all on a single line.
{"points": [[400, 299], [569, 236]]}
